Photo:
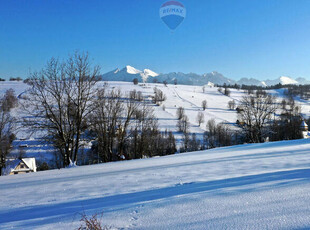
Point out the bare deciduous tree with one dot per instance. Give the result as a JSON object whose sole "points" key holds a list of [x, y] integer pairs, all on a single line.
{"points": [[204, 104], [256, 113], [180, 113], [59, 101], [159, 96], [200, 118], [6, 133], [108, 109], [227, 91], [217, 135], [9, 100], [183, 124]]}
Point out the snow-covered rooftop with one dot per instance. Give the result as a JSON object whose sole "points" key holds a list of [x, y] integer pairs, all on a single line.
{"points": [[11, 165]]}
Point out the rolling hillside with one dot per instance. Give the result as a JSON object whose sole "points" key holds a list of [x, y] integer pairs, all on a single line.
{"points": [[258, 186], [189, 97]]}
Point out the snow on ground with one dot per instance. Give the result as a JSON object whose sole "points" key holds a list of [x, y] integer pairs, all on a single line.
{"points": [[18, 86], [257, 186], [189, 97]]}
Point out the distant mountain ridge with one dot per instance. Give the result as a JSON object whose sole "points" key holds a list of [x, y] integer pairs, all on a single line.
{"points": [[129, 73]]}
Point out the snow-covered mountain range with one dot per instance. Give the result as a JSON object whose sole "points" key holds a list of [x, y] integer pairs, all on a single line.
{"points": [[129, 73]]}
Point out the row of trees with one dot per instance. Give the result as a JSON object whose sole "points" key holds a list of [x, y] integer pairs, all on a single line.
{"points": [[263, 118], [64, 99], [12, 79], [260, 116], [126, 129]]}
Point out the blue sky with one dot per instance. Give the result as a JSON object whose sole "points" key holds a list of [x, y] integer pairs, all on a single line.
{"points": [[239, 38]]}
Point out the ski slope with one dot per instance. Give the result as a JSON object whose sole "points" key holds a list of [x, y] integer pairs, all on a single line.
{"points": [[257, 186]]}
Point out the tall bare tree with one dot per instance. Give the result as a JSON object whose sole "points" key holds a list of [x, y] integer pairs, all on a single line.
{"points": [[59, 101], [204, 104], [200, 118], [180, 113], [183, 124]]}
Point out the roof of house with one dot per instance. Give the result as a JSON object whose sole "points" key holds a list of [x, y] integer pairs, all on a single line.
{"points": [[31, 163], [11, 165], [303, 124]]}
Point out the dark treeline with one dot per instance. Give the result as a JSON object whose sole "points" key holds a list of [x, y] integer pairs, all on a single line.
{"points": [[12, 79], [256, 87], [302, 91]]}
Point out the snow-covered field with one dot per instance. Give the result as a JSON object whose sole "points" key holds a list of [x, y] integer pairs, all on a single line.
{"points": [[257, 186], [189, 97]]}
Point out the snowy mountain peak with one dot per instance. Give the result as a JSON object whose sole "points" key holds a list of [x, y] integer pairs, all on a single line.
{"points": [[287, 81], [131, 70], [128, 73], [150, 73]]}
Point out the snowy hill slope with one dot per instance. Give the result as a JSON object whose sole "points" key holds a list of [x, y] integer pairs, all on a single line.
{"points": [[258, 186], [189, 97]]}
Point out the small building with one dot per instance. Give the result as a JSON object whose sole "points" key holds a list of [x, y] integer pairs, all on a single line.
{"points": [[304, 126], [19, 166]]}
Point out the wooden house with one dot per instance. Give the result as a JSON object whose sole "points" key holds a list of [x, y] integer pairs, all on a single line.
{"points": [[19, 166]]}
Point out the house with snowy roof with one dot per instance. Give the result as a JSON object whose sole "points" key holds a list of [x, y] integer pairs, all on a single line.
{"points": [[19, 166], [304, 126], [304, 129]]}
